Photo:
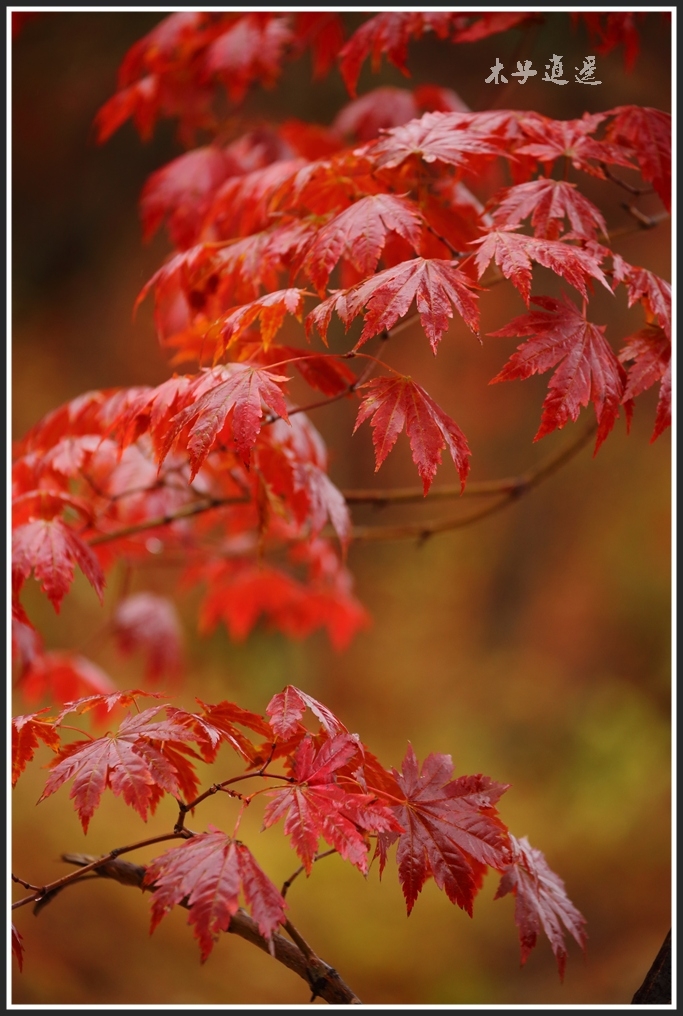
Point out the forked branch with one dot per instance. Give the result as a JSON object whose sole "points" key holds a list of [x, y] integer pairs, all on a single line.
{"points": [[509, 491], [323, 979]]}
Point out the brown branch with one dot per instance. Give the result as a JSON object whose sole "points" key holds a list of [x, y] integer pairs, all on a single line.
{"points": [[525, 483], [187, 511], [323, 979], [509, 489], [46, 892], [656, 988], [637, 191]]}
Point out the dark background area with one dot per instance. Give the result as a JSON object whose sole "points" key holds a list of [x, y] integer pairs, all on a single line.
{"points": [[533, 647]]}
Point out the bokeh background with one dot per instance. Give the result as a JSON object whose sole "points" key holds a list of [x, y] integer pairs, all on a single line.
{"points": [[533, 646]]}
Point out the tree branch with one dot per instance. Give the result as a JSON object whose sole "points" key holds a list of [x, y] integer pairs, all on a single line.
{"points": [[515, 489], [656, 988], [320, 976], [187, 511]]}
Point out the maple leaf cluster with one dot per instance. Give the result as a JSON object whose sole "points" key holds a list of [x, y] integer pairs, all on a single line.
{"points": [[325, 786], [402, 212], [373, 218]]}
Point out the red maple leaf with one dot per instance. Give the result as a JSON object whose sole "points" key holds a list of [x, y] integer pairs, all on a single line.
{"points": [[456, 139], [548, 202], [150, 623], [183, 191], [548, 140], [239, 598], [647, 132], [241, 397], [650, 353], [540, 902], [252, 49], [26, 732], [359, 233], [317, 806], [268, 310], [451, 829], [141, 763], [388, 35], [588, 369], [287, 707], [380, 109], [242, 204], [139, 100], [327, 185], [216, 725], [208, 871], [647, 288], [514, 252], [51, 549], [436, 286], [609, 30], [395, 403], [485, 25], [327, 374], [104, 703], [63, 676]]}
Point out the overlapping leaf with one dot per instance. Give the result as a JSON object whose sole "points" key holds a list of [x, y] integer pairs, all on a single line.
{"points": [[252, 49], [50, 549], [647, 132], [393, 403], [241, 398], [451, 830], [388, 35], [287, 707], [62, 677], [209, 871], [241, 597], [436, 286], [588, 370], [548, 202], [548, 140], [649, 355], [27, 732], [317, 807], [453, 139], [358, 234], [183, 191], [144, 760], [647, 288], [269, 311], [514, 253], [216, 724], [541, 902]]}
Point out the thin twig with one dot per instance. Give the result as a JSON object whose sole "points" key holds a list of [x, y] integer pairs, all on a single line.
{"points": [[99, 864], [423, 530], [299, 871], [187, 511]]}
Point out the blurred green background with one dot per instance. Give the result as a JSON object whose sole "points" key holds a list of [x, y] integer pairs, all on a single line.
{"points": [[533, 647]]}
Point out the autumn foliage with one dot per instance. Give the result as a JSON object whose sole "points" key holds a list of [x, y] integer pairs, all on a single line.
{"points": [[408, 206]]}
